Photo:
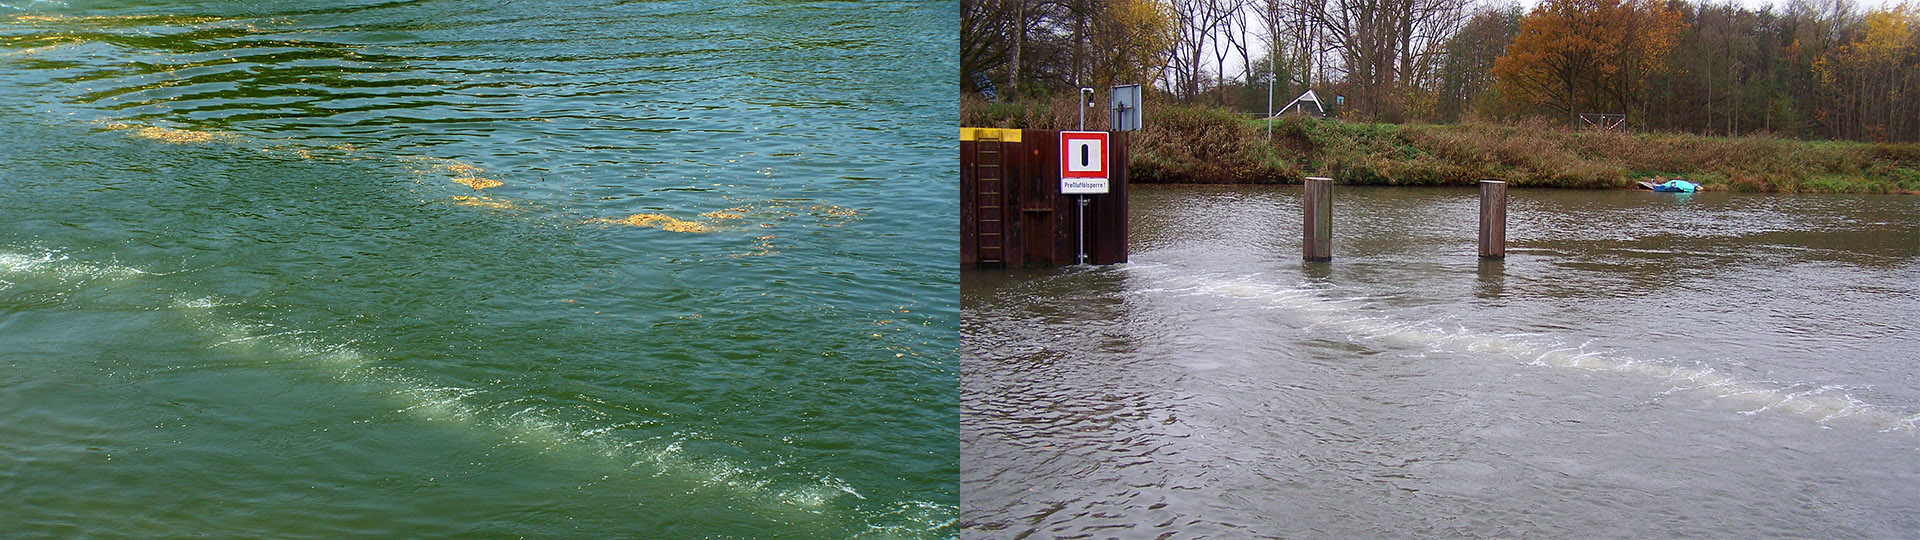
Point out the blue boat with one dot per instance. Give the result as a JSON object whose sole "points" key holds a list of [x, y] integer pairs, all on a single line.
{"points": [[1672, 186]]}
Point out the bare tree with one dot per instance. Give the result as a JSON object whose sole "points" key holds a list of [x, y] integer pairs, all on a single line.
{"points": [[983, 24], [1229, 33], [1198, 21], [1385, 45]]}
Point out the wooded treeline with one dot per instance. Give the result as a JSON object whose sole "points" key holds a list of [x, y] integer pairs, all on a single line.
{"points": [[1813, 69]]}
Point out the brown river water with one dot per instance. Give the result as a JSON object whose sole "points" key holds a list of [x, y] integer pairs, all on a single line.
{"points": [[1639, 365]]}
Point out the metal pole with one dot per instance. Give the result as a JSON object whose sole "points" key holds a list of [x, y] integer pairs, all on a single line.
{"points": [[1085, 94], [1080, 243], [1270, 81], [1080, 240]]}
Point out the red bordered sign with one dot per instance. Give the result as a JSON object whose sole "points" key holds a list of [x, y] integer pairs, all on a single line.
{"points": [[1083, 162]]}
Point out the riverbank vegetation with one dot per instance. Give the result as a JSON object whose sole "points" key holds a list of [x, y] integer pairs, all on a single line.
{"points": [[1209, 145], [1536, 155], [1814, 95]]}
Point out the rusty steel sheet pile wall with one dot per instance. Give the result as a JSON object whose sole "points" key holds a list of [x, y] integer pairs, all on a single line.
{"points": [[1012, 213]]}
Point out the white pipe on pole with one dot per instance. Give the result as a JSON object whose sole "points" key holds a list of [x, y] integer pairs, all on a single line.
{"points": [[1272, 43]]}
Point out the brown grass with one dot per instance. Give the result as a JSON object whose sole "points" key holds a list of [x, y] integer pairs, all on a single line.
{"points": [[1536, 155], [1203, 145], [1178, 144]]}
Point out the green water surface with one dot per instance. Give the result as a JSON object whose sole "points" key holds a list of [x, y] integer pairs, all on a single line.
{"points": [[468, 269]]}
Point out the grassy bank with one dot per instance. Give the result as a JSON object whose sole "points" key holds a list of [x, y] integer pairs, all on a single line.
{"points": [[1186, 144], [1540, 156], [1177, 144]]}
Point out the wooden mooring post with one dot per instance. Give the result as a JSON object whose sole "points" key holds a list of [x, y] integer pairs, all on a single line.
{"points": [[1493, 219], [1316, 236]]}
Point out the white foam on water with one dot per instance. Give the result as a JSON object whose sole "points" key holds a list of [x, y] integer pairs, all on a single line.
{"points": [[33, 4], [528, 425], [23, 262], [1363, 320], [207, 302], [912, 519], [44, 267], [55, 265]]}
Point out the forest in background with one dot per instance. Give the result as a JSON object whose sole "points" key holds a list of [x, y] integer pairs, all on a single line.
{"points": [[1815, 69]]}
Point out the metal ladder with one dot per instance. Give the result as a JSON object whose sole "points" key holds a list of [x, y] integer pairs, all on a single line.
{"points": [[989, 193]]}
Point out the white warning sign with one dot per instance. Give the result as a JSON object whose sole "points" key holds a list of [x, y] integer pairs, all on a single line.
{"points": [[1083, 162]]}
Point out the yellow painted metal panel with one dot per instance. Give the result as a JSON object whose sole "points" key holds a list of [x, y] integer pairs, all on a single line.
{"points": [[990, 134]]}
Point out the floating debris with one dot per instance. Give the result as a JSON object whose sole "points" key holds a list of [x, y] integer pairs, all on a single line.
{"points": [[476, 182], [833, 216], [173, 135], [763, 245], [119, 20], [657, 221], [163, 134], [468, 175], [463, 174], [730, 213], [484, 202], [459, 168], [833, 211]]}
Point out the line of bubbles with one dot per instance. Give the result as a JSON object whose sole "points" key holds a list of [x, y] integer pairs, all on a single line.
{"points": [[1822, 403], [656, 459]]}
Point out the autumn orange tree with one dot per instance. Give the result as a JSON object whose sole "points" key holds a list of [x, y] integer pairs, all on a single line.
{"points": [[1575, 56]]}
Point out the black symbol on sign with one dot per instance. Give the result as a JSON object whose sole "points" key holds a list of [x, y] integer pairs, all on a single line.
{"points": [[1085, 155]]}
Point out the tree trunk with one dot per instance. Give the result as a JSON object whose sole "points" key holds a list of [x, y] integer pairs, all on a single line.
{"points": [[1019, 42], [1079, 41]]}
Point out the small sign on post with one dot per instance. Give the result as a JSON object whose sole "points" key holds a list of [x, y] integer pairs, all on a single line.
{"points": [[1083, 171], [1125, 108], [1083, 162]]}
